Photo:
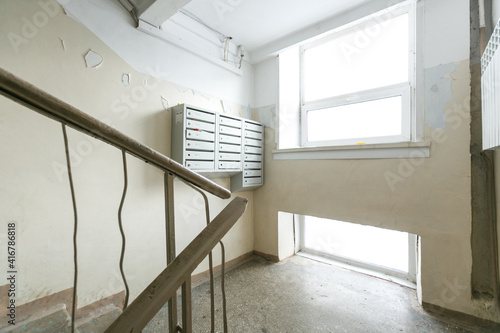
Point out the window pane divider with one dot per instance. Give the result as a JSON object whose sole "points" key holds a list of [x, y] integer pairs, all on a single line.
{"points": [[358, 97]]}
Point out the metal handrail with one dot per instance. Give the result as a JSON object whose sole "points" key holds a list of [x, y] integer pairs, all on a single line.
{"points": [[178, 271], [138, 314], [38, 100]]}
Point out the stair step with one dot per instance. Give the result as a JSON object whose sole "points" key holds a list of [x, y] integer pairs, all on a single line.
{"points": [[57, 322], [100, 323]]}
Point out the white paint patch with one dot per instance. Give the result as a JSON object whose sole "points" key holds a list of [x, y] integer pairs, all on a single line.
{"points": [[247, 112], [267, 115], [62, 43], [126, 79], [67, 12], [181, 89], [107, 19], [225, 108], [165, 103], [495, 12], [437, 94], [199, 93], [93, 59], [452, 32]]}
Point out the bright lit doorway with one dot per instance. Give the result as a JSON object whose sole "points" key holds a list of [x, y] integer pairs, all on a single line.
{"points": [[386, 253]]}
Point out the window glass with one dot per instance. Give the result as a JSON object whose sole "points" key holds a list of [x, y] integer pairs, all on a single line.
{"points": [[375, 118], [373, 56]]}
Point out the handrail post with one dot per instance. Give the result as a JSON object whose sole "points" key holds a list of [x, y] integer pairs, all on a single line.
{"points": [[138, 314], [187, 320], [170, 244]]}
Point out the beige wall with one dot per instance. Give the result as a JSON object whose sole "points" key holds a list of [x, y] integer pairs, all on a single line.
{"points": [[34, 188], [431, 197], [433, 201]]}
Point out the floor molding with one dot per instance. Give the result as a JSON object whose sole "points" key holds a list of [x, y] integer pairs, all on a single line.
{"points": [[63, 299], [268, 257], [202, 277], [469, 321]]}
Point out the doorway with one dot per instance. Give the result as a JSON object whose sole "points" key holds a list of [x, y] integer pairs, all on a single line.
{"points": [[387, 252]]}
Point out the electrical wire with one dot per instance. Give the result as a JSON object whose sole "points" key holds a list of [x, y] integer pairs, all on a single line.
{"points": [[120, 225], [75, 229], [221, 36]]}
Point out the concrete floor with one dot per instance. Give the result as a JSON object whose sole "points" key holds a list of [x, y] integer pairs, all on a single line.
{"points": [[296, 295], [303, 295]]}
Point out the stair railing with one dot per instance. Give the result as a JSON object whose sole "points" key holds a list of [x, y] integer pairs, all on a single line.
{"points": [[178, 272]]}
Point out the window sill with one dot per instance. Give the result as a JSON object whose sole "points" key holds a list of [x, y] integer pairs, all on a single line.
{"points": [[370, 151]]}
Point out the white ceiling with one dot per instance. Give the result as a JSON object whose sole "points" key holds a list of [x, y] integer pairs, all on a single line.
{"points": [[255, 23]]}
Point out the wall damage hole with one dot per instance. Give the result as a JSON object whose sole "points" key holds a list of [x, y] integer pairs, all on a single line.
{"points": [[93, 59], [126, 79]]}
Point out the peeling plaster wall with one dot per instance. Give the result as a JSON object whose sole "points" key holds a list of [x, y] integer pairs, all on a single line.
{"points": [[429, 197], [34, 187], [111, 22]]}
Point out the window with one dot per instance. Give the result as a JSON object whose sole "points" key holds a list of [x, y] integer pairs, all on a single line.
{"points": [[355, 85]]}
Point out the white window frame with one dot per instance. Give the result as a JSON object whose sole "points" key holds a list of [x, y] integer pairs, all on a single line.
{"points": [[406, 90]]}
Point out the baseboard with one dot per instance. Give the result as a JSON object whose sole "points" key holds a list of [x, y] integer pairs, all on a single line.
{"points": [[29, 310], [26, 311], [470, 322], [65, 297], [268, 257], [202, 277], [116, 300]]}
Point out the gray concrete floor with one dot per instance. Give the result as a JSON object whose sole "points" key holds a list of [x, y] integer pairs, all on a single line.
{"points": [[303, 295], [296, 295]]}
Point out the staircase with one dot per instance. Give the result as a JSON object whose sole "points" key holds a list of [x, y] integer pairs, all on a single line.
{"points": [[162, 291], [58, 320]]}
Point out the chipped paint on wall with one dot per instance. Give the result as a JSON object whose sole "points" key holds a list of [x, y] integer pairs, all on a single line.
{"points": [[181, 89], [437, 94], [246, 112], [126, 79], [225, 108], [108, 19], [93, 59], [267, 115], [165, 103]]}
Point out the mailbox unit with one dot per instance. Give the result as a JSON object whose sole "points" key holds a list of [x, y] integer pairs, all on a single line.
{"points": [[218, 145]]}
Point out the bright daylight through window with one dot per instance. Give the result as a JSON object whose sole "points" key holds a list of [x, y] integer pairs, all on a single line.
{"points": [[355, 84]]}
